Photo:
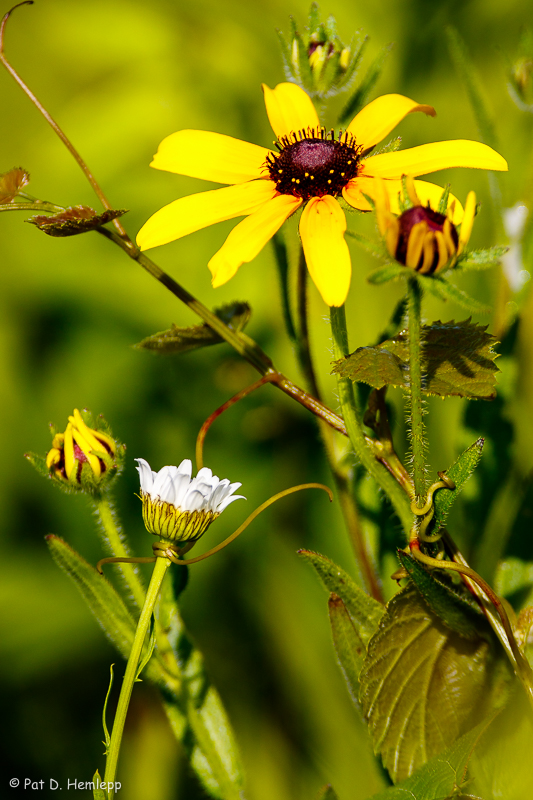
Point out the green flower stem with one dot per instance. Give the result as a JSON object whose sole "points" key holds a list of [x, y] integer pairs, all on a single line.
{"points": [[415, 383], [161, 566], [115, 543], [352, 419]]}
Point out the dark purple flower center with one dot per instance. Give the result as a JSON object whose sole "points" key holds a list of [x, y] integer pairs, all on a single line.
{"points": [[434, 222], [314, 163]]}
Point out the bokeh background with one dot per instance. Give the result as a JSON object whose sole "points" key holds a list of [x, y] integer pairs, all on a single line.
{"points": [[119, 77]]}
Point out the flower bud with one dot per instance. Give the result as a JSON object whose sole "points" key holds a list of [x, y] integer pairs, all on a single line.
{"points": [[420, 237], [179, 508], [82, 458]]}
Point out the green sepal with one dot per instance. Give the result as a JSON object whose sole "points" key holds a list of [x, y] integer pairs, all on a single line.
{"points": [[440, 777], [423, 686], [327, 793], [359, 97], [180, 340], [457, 609], [98, 794], [106, 605], [374, 248], [348, 644], [389, 272], [459, 472], [480, 259], [364, 611], [443, 202], [438, 286], [390, 147], [458, 360]]}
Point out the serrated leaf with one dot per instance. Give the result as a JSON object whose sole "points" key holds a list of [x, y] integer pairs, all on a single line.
{"points": [[74, 220], [364, 611], [459, 472], [441, 288], [348, 645], [438, 779], [422, 685], [373, 365], [106, 605], [481, 259], [12, 182], [181, 340], [387, 273], [450, 602], [327, 793], [458, 360]]}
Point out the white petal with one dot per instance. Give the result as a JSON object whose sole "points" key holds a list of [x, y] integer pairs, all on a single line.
{"points": [[225, 503], [204, 473], [145, 474], [194, 501], [185, 468], [166, 491], [159, 480], [181, 485]]}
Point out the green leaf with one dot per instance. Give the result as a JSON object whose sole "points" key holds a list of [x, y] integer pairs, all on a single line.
{"points": [[376, 366], [422, 685], [441, 288], [364, 611], [348, 644], [360, 96], [327, 793], [196, 713], [481, 259], [459, 472], [387, 273], [458, 360], [106, 604], [180, 340], [449, 601], [98, 794], [441, 775], [501, 764]]}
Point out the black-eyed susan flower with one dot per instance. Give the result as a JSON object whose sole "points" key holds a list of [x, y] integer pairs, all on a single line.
{"points": [[83, 457], [178, 507], [310, 167], [422, 238]]}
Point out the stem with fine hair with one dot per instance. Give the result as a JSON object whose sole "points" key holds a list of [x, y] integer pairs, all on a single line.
{"points": [[415, 390], [161, 566], [115, 542], [352, 419]]}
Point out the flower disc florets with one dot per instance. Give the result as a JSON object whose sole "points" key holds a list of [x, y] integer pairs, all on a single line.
{"points": [[180, 508], [313, 163]]}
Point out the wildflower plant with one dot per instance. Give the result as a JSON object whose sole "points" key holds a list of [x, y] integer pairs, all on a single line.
{"points": [[442, 668]]}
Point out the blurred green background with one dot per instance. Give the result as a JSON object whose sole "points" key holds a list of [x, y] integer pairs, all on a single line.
{"points": [[119, 77]]}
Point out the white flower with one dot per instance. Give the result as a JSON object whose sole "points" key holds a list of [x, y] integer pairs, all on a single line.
{"points": [[177, 506]]}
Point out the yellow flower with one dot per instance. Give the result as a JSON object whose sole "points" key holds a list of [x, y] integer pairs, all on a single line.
{"points": [[81, 456], [311, 168], [422, 238]]}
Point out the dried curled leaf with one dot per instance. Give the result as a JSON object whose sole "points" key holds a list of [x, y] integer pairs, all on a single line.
{"points": [[12, 182], [458, 359], [179, 340], [74, 220], [422, 685]]}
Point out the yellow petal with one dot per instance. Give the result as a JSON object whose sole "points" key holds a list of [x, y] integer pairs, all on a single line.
{"points": [[322, 227], [379, 117], [210, 156], [250, 236], [468, 221], [415, 244], [432, 157], [189, 214], [289, 108], [426, 192]]}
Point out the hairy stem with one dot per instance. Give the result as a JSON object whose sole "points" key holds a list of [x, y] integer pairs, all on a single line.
{"points": [[352, 419], [114, 540], [415, 387]]}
